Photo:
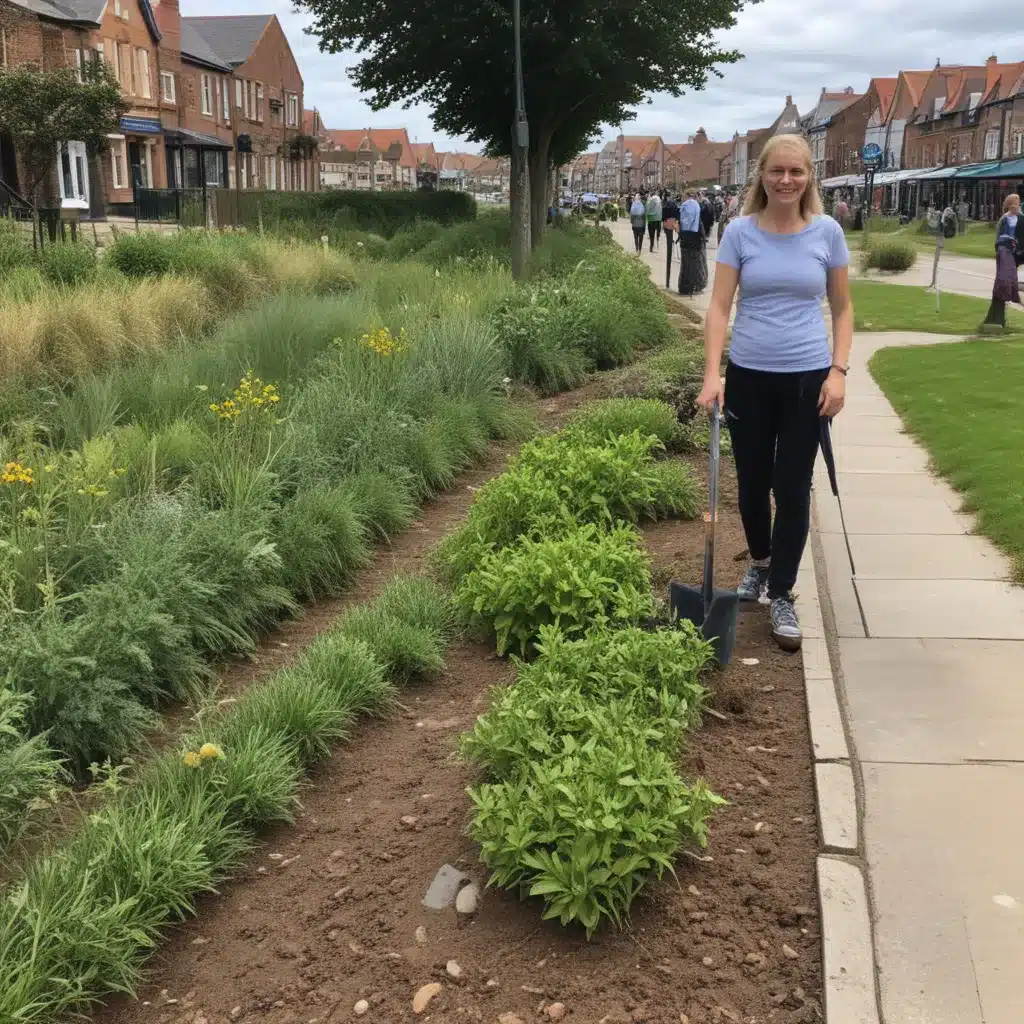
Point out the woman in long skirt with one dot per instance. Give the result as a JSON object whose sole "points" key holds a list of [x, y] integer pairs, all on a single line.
{"points": [[693, 265], [1009, 245]]}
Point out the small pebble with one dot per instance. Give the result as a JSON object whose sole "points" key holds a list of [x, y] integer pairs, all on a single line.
{"points": [[236, 1013], [409, 820], [556, 1011], [361, 1007], [275, 856], [467, 899], [789, 952], [707, 961], [510, 1018], [453, 970], [421, 936], [422, 999], [693, 890]]}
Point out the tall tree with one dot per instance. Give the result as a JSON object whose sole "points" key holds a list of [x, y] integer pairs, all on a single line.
{"points": [[43, 110], [584, 64]]}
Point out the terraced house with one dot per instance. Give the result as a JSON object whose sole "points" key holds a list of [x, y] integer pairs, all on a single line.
{"points": [[212, 101]]}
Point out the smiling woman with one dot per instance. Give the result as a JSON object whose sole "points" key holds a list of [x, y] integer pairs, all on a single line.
{"points": [[782, 377]]}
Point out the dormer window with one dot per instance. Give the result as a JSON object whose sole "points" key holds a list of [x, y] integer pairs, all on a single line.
{"points": [[974, 101], [937, 104]]}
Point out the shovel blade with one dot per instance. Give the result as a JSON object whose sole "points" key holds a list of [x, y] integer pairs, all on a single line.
{"points": [[718, 626]]}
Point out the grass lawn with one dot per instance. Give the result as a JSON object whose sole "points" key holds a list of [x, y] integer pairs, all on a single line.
{"points": [[900, 307], [964, 402], [978, 241]]}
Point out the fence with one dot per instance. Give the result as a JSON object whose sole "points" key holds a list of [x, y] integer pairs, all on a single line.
{"points": [[189, 207]]}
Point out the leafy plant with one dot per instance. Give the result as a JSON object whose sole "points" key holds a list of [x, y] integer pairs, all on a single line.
{"points": [[888, 254], [585, 579], [615, 416]]}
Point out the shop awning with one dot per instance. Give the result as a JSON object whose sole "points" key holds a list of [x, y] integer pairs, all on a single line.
{"points": [[994, 169], [977, 170], [187, 137], [938, 174]]}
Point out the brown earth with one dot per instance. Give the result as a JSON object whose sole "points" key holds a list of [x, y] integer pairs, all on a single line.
{"points": [[327, 912]]}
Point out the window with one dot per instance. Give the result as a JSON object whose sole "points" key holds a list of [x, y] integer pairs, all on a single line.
{"points": [[937, 104], [226, 97], [952, 150], [293, 109], [146, 164], [259, 101], [124, 68], [974, 101], [238, 93], [78, 62], [3, 47], [250, 99], [205, 95], [118, 161], [167, 86], [99, 52], [1018, 143], [142, 65], [927, 153], [73, 175], [992, 144]]}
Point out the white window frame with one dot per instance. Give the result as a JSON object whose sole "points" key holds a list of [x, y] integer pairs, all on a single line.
{"points": [[205, 95], [250, 99], [3, 47], [76, 152], [937, 104], [292, 109], [259, 102], [226, 100], [239, 93], [142, 67], [992, 144], [119, 162], [1018, 142], [79, 62], [244, 183], [168, 95], [146, 151], [272, 179]]}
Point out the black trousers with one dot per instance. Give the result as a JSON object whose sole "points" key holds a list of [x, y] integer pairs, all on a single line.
{"points": [[775, 428], [669, 235], [638, 238], [654, 230]]}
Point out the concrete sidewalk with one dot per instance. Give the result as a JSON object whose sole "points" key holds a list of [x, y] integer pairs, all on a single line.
{"points": [[928, 651], [931, 652]]}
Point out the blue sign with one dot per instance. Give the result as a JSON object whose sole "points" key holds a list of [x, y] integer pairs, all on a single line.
{"points": [[871, 153], [142, 125]]}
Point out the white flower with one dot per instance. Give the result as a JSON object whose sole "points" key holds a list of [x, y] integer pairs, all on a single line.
{"points": [[202, 387], [359, 245]]}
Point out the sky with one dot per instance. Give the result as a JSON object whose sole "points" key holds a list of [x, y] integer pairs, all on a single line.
{"points": [[789, 48]]}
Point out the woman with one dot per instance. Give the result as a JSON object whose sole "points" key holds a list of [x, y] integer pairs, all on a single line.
{"points": [[693, 265], [638, 220], [654, 218], [670, 222], [784, 256]]}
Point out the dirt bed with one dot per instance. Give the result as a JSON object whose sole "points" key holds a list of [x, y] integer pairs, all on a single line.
{"points": [[330, 911]]}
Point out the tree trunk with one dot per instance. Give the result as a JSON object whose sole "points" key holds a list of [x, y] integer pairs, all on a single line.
{"points": [[519, 200], [539, 180]]}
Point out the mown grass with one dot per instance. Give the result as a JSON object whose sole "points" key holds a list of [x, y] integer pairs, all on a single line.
{"points": [[963, 402], [894, 307]]}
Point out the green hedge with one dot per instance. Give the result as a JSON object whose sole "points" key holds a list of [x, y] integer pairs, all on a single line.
{"points": [[316, 213]]}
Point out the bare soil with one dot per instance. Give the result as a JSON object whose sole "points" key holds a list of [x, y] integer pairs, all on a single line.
{"points": [[303, 938]]}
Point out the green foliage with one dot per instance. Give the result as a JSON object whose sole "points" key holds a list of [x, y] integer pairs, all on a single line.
{"points": [[67, 263], [616, 416], [585, 579], [28, 768], [143, 254], [881, 253]]}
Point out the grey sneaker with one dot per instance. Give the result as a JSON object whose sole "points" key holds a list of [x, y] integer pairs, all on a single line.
{"points": [[753, 584], [785, 627]]}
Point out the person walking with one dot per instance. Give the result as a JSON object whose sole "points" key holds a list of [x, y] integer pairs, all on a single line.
{"points": [[654, 219], [841, 213], [693, 266], [962, 212], [782, 378], [1009, 256], [638, 221], [670, 223]]}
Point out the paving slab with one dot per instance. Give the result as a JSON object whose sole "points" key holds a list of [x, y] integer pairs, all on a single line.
{"points": [[878, 514], [922, 556], [828, 739], [837, 806], [846, 941], [935, 701], [845, 607], [957, 609], [858, 429], [943, 845], [869, 458], [861, 403], [915, 484]]}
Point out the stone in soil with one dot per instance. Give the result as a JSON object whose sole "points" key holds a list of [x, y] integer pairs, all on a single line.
{"points": [[361, 1007], [444, 887], [467, 899], [556, 1011], [453, 970], [422, 999]]}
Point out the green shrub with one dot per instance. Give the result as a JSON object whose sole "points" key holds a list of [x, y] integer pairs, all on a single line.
{"points": [[22, 283], [888, 254], [67, 263], [28, 767], [144, 254], [588, 826], [616, 416], [15, 247], [585, 579]]}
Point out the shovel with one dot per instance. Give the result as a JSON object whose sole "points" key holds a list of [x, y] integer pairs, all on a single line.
{"points": [[714, 611]]}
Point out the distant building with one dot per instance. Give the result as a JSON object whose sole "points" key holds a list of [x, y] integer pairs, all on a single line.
{"points": [[377, 159]]}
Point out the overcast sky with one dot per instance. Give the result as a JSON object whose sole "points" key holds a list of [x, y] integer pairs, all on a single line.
{"points": [[793, 48]]}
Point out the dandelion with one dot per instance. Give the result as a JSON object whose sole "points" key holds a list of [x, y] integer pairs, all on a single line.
{"points": [[210, 750], [192, 759], [16, 473]]}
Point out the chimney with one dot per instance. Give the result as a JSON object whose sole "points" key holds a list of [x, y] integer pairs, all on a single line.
{"points": [[992, 60], [848, 91], [789, 101]]}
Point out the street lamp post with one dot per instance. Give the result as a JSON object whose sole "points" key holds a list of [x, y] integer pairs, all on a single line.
{"points": [[520, 145]]}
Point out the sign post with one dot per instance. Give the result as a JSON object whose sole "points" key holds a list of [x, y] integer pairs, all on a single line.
{"points": [[871, 157]]}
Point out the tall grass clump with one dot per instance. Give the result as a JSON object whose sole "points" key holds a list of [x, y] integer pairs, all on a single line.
{"points": [[82, 919], [881, 253]]}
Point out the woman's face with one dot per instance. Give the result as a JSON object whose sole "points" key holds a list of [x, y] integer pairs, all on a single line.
{"points": [[1014, 206], [785, 177]]}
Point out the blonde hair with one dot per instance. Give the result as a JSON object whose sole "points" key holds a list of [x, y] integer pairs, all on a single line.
{"points": [[1011, 200], [757, 197]]}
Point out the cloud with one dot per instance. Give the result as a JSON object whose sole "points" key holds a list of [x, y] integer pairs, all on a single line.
{"points": [[789, 49]]}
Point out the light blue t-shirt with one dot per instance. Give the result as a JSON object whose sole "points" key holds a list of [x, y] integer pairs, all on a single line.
{"points": [[779, 323]]}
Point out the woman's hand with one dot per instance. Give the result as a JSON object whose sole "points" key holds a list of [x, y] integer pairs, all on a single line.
{"points": [[833, 394], [712, 391]]}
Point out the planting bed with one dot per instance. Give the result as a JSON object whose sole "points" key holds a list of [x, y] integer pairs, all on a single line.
{"points": [[327, 912]]}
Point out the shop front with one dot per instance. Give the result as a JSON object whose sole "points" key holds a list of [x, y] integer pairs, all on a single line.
{"points": [[195, 160], [136, 161]]}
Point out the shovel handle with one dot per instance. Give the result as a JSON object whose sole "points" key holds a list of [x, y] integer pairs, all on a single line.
{"points": [[711, 517]]}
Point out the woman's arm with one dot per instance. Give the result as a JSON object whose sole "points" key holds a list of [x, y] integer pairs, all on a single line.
{"points": [[833, 391], [715, 326]]}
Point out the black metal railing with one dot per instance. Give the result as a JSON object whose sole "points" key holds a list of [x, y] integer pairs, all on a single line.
{"points": [[188, 207]]}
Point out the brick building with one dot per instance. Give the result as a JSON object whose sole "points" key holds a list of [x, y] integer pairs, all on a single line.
{"points": [[695, 161], [819, 128], [879, 102], [844, 137], [212, 101], [367, 158]]}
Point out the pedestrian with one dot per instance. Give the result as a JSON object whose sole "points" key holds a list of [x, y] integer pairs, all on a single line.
{"points": [[638, 220], [784, 256], [670, 222], [654, 218], [1009, 251], [962, 212], [707, 215], [732, 211], [841, 213], [693, 266]]}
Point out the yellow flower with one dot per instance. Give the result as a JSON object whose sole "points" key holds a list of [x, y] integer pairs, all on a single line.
{"points": [[192, 759], [208, 750], [16, 473]]}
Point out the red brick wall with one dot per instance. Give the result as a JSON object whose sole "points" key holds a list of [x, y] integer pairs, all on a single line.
{"points": [[844, 137]]}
